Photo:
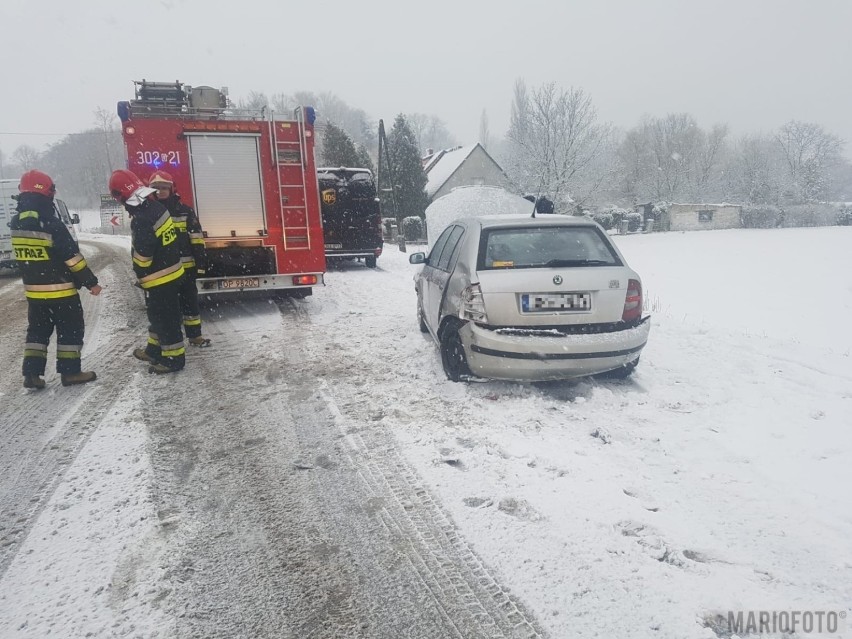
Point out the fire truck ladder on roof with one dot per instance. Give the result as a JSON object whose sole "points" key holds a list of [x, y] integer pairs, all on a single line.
{"points": [[288, 139]]}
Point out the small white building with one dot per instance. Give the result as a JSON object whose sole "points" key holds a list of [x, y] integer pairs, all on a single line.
{"points": [[462, 166], [700, 217]]}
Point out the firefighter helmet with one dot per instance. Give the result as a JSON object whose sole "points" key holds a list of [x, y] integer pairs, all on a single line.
{"points": [[127, 188], [37, 182], [160, 177]]}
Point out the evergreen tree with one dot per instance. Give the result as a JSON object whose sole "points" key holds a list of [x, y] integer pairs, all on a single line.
{"points": [[408, 170], [338, 148], [364, 159]]}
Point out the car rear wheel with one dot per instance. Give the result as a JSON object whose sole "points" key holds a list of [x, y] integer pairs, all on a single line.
{"points": [[370, 262], [453, 356], [622, 372]]}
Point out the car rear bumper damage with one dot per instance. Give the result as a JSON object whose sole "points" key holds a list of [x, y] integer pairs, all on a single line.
{"points": [[536, 357]]}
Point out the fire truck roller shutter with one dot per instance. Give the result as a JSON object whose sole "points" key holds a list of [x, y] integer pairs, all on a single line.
{"points": [[227, 184]]}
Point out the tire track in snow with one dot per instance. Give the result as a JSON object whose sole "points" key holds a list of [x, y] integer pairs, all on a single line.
{"points": [[283, 524]]}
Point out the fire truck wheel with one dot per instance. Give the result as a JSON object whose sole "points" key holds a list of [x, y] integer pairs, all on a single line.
{"points": [[370, 262]]}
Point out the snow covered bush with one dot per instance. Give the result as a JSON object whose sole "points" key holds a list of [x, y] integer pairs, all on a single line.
{"points": [[810, 215], [412, 228], [634, 221], [761, 216], [617, 213], [604, 219], [844, 215], [388, 225]]}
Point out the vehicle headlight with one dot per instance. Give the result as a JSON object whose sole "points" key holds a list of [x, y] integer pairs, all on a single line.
{"points": [[473, 305]]}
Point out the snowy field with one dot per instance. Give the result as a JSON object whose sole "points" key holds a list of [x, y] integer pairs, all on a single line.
{"points": [[717, 479]]}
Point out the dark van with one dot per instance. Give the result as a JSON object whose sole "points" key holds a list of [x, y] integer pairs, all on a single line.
{"points": [[352, 223]]}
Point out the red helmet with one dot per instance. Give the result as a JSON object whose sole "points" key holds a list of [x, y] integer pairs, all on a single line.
{"points": [[160, 177], [37, 182], [123, 184]]}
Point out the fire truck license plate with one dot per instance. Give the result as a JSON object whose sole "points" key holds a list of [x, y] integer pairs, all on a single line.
{"points": [[247, 282]]}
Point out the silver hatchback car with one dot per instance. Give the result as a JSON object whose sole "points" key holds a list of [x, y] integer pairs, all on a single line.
{"points": [[530, 299]]}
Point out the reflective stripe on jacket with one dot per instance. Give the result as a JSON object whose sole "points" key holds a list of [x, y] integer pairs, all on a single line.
{"points": [[155, 249], [51, 264]]}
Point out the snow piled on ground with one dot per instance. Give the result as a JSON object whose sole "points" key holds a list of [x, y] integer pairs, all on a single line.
{"points": [[472, 201]]}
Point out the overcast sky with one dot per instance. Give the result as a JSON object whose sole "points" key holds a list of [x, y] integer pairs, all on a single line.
{"points": [[753, 64]]}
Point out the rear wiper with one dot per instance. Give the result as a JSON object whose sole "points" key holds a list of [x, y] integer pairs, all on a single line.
{"points": [[563, 262]]}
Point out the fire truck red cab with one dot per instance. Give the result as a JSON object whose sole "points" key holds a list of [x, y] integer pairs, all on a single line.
{"points": [[250, 176]]}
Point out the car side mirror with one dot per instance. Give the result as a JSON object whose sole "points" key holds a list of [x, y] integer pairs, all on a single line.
{"points": [[417, 258], [75, 219]]}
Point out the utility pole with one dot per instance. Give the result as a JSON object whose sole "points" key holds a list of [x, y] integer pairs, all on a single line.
{"points": [[388, 165]]}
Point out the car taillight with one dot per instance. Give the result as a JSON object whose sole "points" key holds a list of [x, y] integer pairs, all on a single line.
{"points": [[302, 280], [473, 306], [632, 301]]}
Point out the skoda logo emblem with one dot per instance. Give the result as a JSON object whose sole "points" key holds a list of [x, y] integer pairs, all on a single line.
{"points": [[557, 279]]}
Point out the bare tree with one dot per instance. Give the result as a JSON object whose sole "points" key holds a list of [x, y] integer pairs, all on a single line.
{"points": [[26, 157], [706, 177], [484, 132], [80, 166], [672, 158], [430, 131], [755, 170], [256, 101], [105, 121], [810, 152], [555, 141], [330, 108]]}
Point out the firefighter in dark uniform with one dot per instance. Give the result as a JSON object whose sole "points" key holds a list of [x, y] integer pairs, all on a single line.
{"points": [[53, 270], [158, 268], [192, 253]]}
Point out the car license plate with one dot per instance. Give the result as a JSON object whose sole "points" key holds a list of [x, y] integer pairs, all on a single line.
{"points": [[334, 246], [246, 282], [538, 302]]}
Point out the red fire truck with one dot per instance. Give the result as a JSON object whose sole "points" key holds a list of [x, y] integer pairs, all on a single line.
{"points": [[250, 176]]}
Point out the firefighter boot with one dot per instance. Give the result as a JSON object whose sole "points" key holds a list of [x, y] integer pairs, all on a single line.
{"points": [[140, 354], [161, 369], [199, 341], [33, 381], [72, 379]]}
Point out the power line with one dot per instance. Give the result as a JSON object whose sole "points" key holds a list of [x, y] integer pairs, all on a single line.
{"points": [[23, 133]]}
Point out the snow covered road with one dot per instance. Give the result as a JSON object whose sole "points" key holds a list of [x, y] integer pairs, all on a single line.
{"points": [[314, 475]]}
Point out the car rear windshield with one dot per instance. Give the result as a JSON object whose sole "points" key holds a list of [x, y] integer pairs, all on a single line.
{"points": [[545, 247]]}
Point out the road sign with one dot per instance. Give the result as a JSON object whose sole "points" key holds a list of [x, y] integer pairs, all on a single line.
{"points": [[115, 220]]}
